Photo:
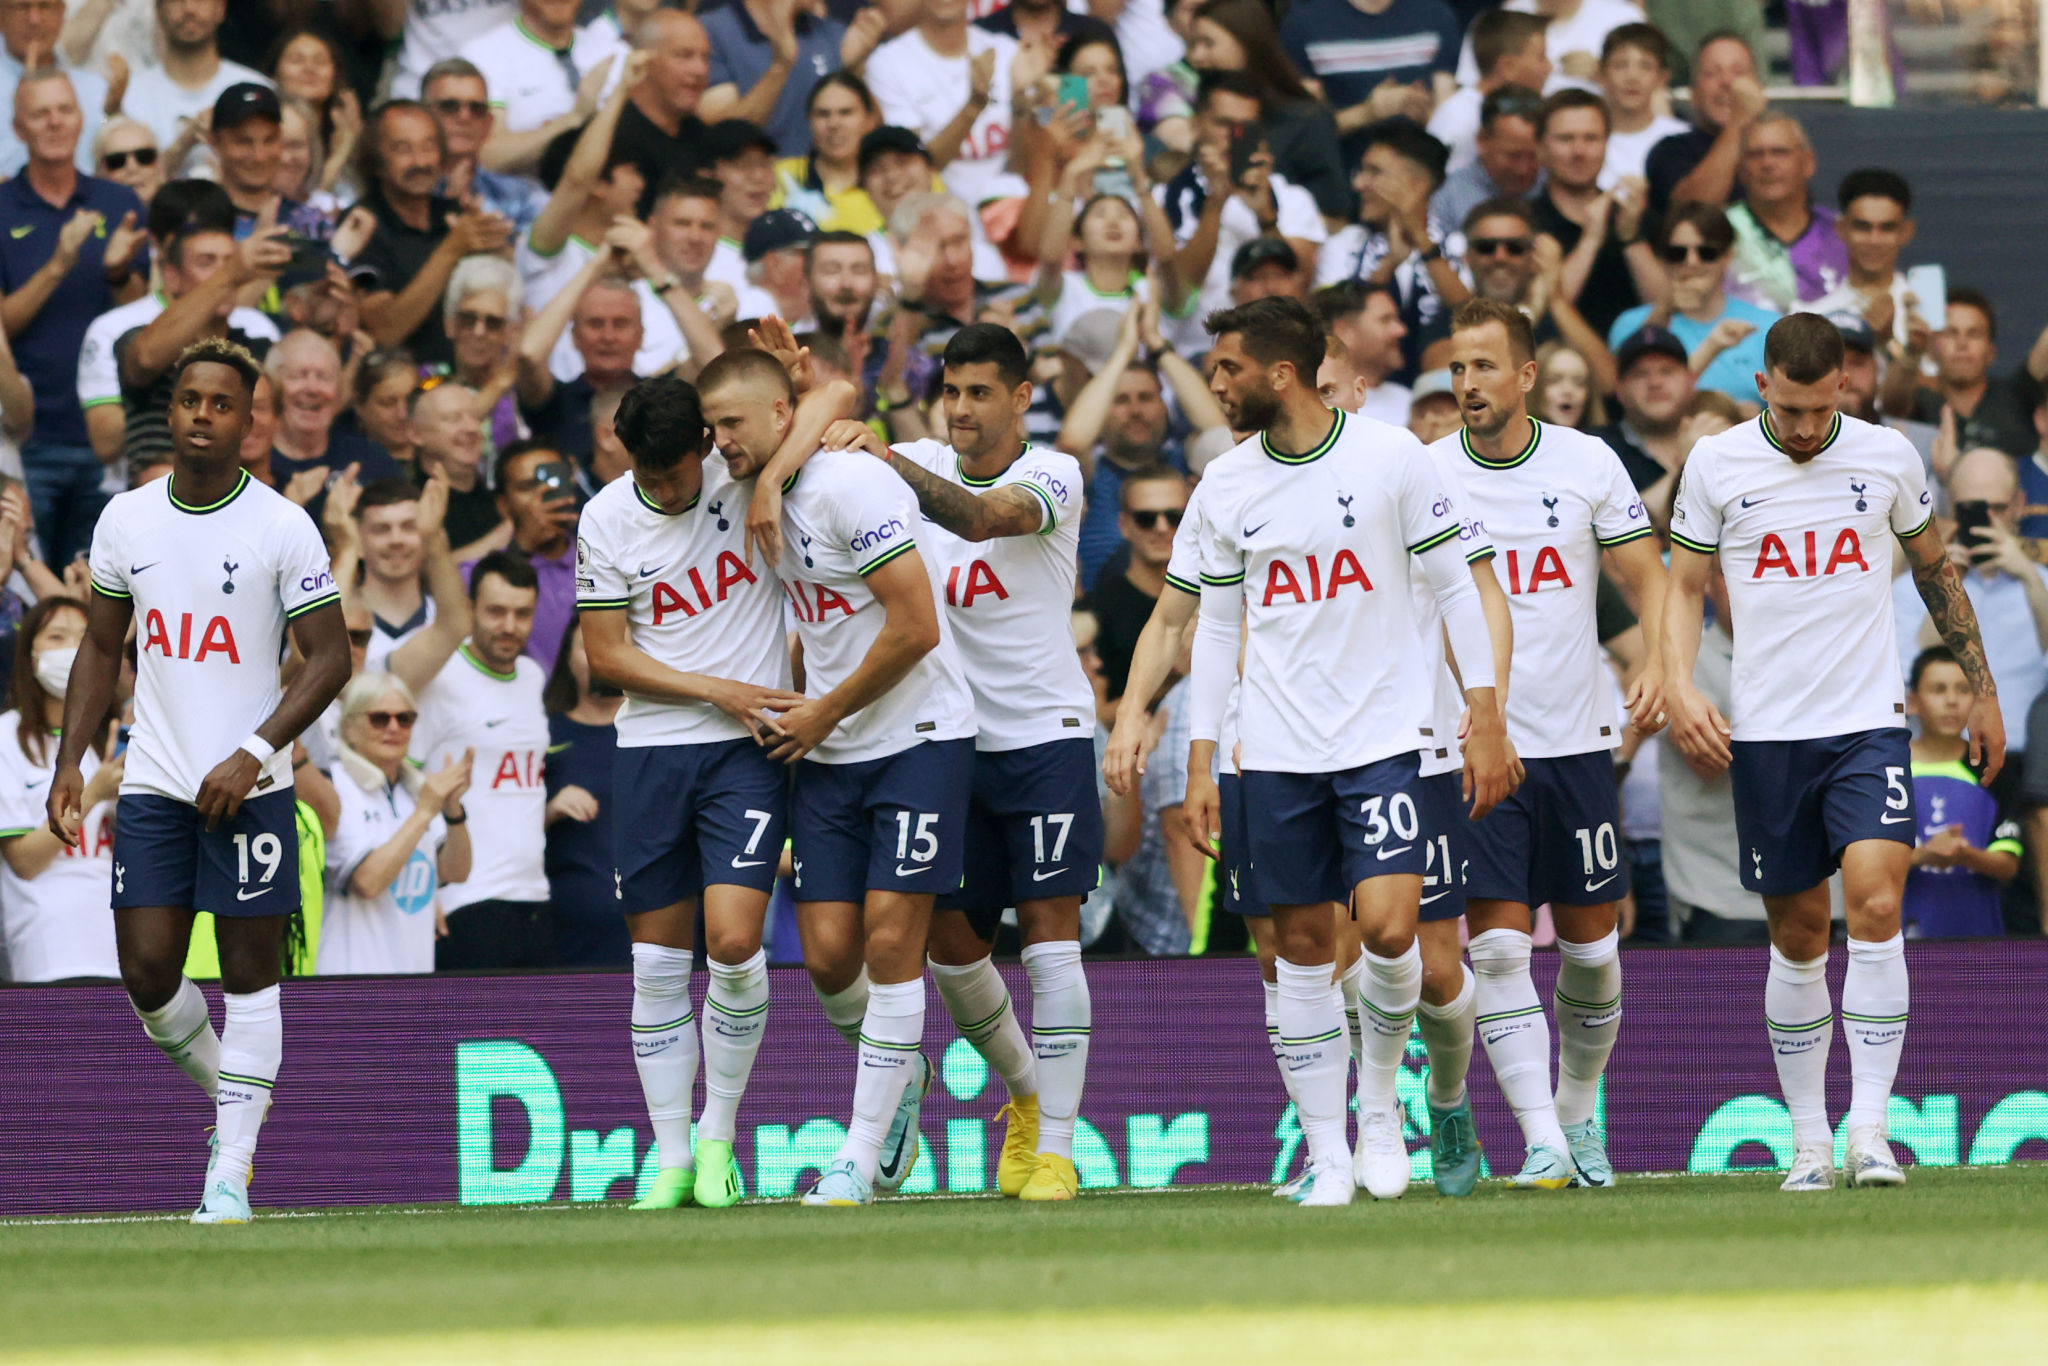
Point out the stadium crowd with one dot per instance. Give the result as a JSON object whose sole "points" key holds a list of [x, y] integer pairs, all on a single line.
{"points": [[456, 233]]}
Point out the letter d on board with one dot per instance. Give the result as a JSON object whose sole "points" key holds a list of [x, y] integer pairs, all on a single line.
{"points": [[484, 1070]]}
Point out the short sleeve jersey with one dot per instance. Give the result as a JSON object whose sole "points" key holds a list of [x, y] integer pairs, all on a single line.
{"points": [[99, 375], [1320, 542], [212, 589], [470, 705], [1007, 598], [58, 924], [392, 931], [1803, 547], [844, 518], [1549, 511], [691, 600], [1440, 752]]}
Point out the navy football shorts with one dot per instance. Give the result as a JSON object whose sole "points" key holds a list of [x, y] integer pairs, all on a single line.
{"points": [[1235, 890], [1034, 830], [1316, 836], [892, 824], [1800, 803], [165, 856], [1556, 839], [1448, 829], [692, 816]]}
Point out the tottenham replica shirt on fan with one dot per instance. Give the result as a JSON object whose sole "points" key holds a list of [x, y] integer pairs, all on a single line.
{"points": [[58, 923], [500, 716], [393, 931]]}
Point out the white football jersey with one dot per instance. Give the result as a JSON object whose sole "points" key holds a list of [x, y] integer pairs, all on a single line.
{"points": [[845, 517], [1440, 751], [57, 923], [99, 378], [691, 600], [1184, 572], [1009, 599], [1804, 549], [500, 716], [212, 588], [392, 931], [1549, 512], [1321, 543]]}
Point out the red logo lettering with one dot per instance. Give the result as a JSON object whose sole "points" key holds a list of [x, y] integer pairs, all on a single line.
{"points": [[667, 601], [1282, 581], [1548, 568], [217, 637], [981, 581], [518, 768], [811, 601], [1774, 554]]}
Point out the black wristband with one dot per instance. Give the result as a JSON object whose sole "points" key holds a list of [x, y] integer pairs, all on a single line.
{"points": [[447, 819]]}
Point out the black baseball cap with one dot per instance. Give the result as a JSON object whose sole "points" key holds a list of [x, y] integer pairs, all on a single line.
{"points": [[726, 139], [1855, 330], [1648, 340], [889, 138], [1263, 251], [243, 101], [777, 230]]}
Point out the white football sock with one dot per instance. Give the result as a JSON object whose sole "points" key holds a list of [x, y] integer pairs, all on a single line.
{"points": [[1874, 1019], [1801, 1019], [1393, 988], [1313, 1053], [251, 1047], [1588, 1001], [847, 1007], [889, 1037], [1271, 991], [735, 1017], [981, 1009], [1447, 1034], [1061, 1017], [183, 1031], [1516, 1035], [665, 1047], [1349, 984]]}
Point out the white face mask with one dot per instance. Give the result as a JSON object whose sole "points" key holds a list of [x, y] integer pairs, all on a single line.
{"points": [[53, 669]]}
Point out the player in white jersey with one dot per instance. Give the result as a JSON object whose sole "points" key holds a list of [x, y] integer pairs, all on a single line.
{"points": [[1310, 529], [675, 617], [881, 749], [1798, 503], [1007, 518], [212, 567], [1552, 501]]}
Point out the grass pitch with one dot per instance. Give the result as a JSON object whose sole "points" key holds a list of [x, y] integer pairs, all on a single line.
{"points": [[1676, 1269]]}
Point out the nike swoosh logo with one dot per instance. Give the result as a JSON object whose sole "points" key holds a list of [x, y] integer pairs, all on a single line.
{"points": [[647, 573], [1438, 896], [1596, 886], [35, 783], [1252, 531], [1385, 854], [499, 722], [913, 870], [251, 896], [887, 1170], [1040, 877], [138, 568], [750, 863], [1754, 502], [18, 233], [1893, 820]]}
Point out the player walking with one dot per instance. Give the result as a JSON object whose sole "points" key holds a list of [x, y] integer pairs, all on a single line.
{"points": [[1797, 502], [1551, 500], [674, 616], [1008, 519], [1314, 515], [212, 566], [882, 753]]}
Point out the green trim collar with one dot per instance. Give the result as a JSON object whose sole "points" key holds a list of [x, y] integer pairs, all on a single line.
{"points": [[241, 482], [1764, 425], [1535, 436], [486, 670], [1322, 448]]}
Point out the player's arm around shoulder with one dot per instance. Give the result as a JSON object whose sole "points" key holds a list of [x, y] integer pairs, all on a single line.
{"points": [[1020, 508]]}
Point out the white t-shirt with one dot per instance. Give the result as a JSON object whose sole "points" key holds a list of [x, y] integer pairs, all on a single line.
{"points": [[99, 377], [1321, 543], [1298, 218], [1549, 512], [691, 600], [528, 81], [58, 923], [922, 91], [1149, 43], [1456, 125], [383, 641], [163, 105], [1440, 750], [1007, 599], [1629, 153], [1583, 31], [394, 930], [845, 517], [435, 29], [661, 338], [1809, 572], [500, 716], [212, 589]]}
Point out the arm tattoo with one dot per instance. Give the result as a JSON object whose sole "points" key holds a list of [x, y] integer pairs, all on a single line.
{"points": [[1941, 588], [1008, 511]]}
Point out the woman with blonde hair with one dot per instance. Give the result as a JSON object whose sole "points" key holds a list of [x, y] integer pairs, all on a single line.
{"points": [[1564, 395], [383, 910]]}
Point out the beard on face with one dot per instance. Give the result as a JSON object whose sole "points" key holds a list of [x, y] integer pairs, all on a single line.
{"points": [[1258, 408]]}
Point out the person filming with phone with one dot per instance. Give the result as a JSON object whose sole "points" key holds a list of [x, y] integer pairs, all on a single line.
{"points": [[2008, 591], [537, 496]]}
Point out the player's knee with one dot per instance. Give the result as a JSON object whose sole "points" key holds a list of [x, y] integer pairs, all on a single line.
{"points": [[1876, 906], [1386, 941], [1500, 953], [730, 943], [890, 945], [150, 979]]}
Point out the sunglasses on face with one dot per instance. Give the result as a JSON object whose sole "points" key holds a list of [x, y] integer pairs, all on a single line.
{"points": [[1706, 253], [144, 156], [1148, 518], [476, 109], [466, 321], [384, 720], [1495, 246]]}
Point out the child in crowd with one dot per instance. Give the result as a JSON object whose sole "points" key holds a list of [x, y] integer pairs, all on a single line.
{"points": [[1969, 846]]}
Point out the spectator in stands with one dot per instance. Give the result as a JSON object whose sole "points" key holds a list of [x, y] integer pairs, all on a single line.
{"points": [[125, 152], [1508, 165], [1369, 63], [1510, 261], [840, 277], [385, 515], [777, 249], [17, 400], [606, 334], [379, 383], [544, 68], [1989, 410], [1265, 268], [1788, 252], [28, 36], [1725, 337], [450, 443], [458, 96], [480, 312], [765, 55], [246, 136], [403, 835], [1699, 164], [1047, 24], [1366, 321], [1610, 265], [583, 741], [1433, 411], [74, 247], [488, 703], [1859, 366], [825, 181], [1239, 36], [1635, 77], [306, 369], [537, 495], [952, 84], [1508, 49], [1564, 394], [302, 164], [1876, 223], [2008, 590], [1655, 384], [660, 129], [189, 74], [933, 241], [685, 243], [1151, 503], [1159, 887], [419, 238], [894, 164], [1969, 840], [427, 32], [307, 64]]}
